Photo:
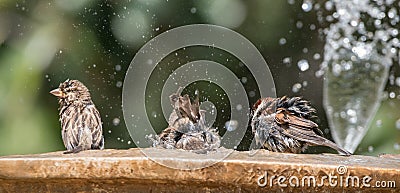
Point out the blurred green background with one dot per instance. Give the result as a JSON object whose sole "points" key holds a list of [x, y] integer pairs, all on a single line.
{"points": [[43, 43]]}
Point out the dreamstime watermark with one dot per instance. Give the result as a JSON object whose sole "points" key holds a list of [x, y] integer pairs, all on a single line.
{"points": [[337, 179], [149, 56]]}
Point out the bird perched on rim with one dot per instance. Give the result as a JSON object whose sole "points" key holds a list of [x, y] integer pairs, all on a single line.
{"points": [[284, 125], [81, 125], [186, 127]]}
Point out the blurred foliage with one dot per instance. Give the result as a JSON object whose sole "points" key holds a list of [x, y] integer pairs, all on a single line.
{"points": [[43, 43]]}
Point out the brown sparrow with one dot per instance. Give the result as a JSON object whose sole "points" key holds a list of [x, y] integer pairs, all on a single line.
{"points": [[186, 127], [284, 125], [80, 121]]}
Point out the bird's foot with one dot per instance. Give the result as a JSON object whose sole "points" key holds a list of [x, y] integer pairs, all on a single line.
{"points": [[75, 150]]}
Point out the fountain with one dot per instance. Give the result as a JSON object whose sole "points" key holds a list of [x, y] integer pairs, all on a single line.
{"points": [[359, 50]]}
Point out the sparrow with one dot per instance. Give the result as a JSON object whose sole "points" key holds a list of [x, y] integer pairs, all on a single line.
{"points": [[81, 126], [284, 125], [186, 127]]}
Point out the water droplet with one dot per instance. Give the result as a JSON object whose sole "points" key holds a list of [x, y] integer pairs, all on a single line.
{"points": [[303, 65], [392, 13], [343, 115], [398, 124], [296, 87], [353, 120], [119, 84], [252, 94], [396, 146], [319, 73], [351, 112], [243, 80], [109, 131], [354, 23], [370, 149], [336, 69], [392, 95], [379, 123], [193, 10], [231, 125], [306, 6], [116, 121], [377, 22], [239, 107], [361, 51], [286, 60], [129, 142], [317, 56], [282, 41], [299, 24], [328, 5], [117, 67]]}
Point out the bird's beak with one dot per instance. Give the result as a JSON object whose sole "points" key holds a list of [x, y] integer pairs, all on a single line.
{"points": [[57, 92]]}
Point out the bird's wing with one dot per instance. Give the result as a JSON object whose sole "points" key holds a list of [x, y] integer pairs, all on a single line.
{"points": [[189, 110], [85, 138], [91, 117], [69, 119], [180, 109], [194, 109], [296, 127], [285, 117], [304, 130], [184, 108]]}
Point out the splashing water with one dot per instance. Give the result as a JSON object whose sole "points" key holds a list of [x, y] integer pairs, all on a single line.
{"points": [[358, 52]]}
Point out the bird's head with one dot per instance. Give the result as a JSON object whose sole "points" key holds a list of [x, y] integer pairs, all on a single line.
{"points": [[70, 91]]}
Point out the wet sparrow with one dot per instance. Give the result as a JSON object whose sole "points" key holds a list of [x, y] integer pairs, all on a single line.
{"points": [[284, 125], [186, 127]]}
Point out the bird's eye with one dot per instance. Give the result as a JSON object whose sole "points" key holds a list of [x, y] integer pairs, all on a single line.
{"points": [[71, 88]]}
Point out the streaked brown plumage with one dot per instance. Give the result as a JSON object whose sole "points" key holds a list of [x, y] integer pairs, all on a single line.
{"points": [[186, 128], [81, 125], [284, 125]]}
